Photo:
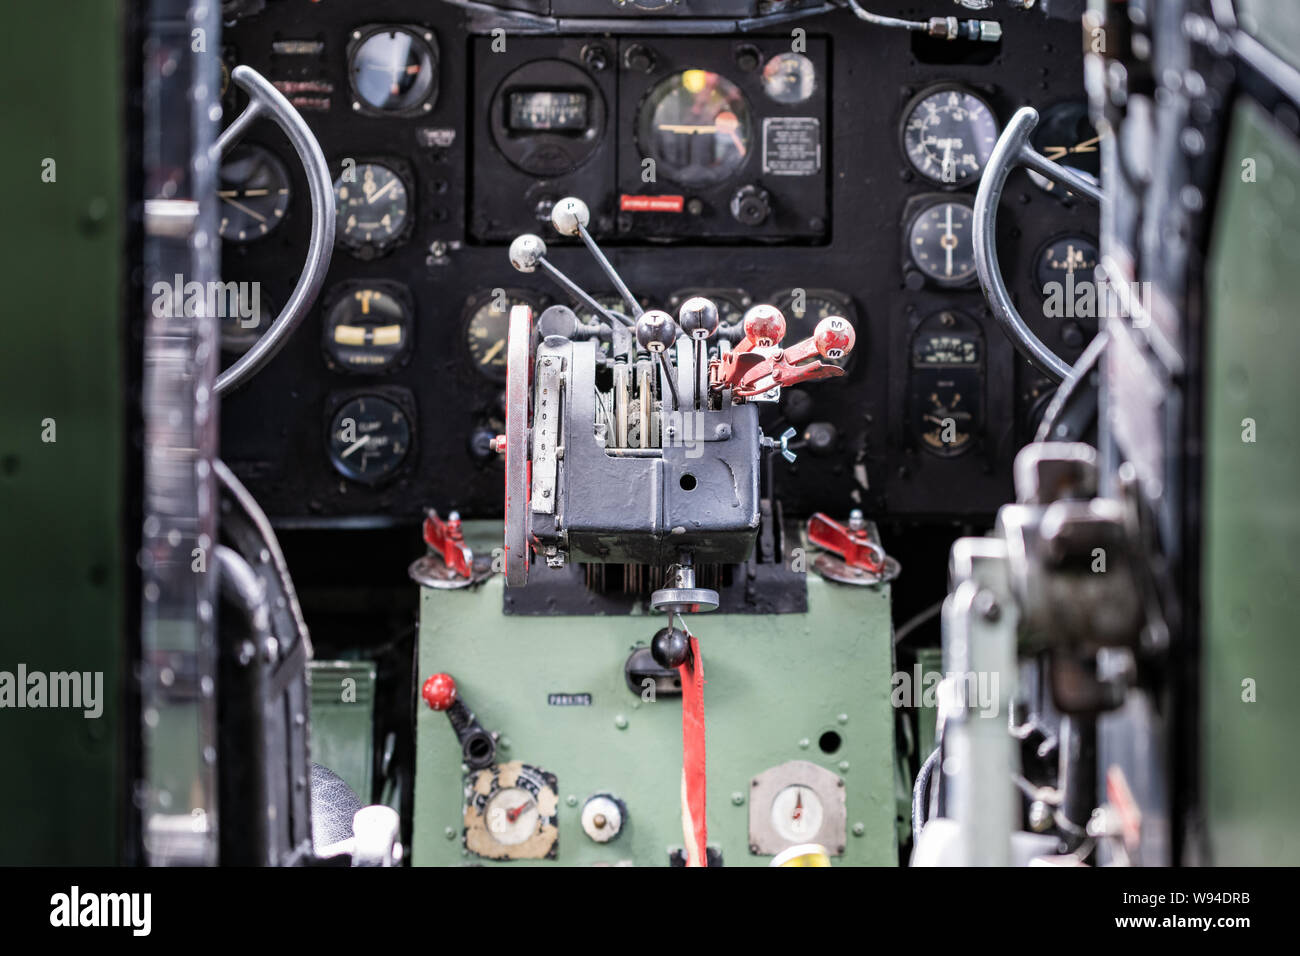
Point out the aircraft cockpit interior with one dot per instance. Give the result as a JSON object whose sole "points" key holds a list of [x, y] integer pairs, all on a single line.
{"points": [[655, 433]]}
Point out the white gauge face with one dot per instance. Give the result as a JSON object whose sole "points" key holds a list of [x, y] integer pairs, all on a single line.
{"points": [[797, 813], [511, 816], [789, 78]]}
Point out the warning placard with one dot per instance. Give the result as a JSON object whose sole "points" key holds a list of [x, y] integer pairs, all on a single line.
{"points": [[792, 145]]}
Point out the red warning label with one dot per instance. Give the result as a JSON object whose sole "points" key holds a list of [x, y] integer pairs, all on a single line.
{"points": [[651, 203]]}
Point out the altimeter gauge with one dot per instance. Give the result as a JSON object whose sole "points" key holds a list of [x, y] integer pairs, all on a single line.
{"points": [[948, 135]]}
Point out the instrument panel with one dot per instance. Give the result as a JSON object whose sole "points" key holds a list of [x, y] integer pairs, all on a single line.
{"points": [[828, 171]]}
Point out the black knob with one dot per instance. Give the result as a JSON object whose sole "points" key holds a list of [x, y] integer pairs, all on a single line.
{"points": [[670, 647], [557, 320], [751, 206], [655, 330]]}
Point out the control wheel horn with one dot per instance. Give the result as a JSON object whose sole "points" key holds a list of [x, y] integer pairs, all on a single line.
{"points": [[1013, 150], [264, 98]]}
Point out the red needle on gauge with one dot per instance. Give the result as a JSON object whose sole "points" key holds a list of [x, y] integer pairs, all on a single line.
{"points": [[798, 807], [513, 815]]}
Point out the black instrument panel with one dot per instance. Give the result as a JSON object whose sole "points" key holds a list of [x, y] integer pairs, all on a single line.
{"points": [[461, 146]]}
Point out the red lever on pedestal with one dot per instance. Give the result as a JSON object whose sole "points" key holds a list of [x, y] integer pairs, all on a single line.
{"points": [[447, 539], [855, 547]]}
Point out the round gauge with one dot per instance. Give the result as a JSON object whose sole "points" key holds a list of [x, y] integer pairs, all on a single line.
{"points": [[946, 419], [548, 117], [254, 193], [695, 125], [510, 812], [486, 326], [941, 243], [1067, 256], [946, 383], [797, 813], [369, 438], [1067, 136], [789, 78], [254, 315], [368, 329], [372, 204], [394, 71], [511, 816], [804, 308], [948, 135]]}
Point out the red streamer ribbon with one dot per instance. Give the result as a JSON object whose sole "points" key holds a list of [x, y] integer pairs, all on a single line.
{"points": [[694, 826]]}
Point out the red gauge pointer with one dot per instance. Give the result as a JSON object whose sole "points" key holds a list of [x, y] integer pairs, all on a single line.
{"points": [[513, 815], [798, 806]]}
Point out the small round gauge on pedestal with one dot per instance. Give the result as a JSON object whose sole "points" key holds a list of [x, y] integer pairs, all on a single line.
{"points": [[510, 813], [372, 202], [254, 193], [948, 134], [797, 813], [941, 244], [368, 328], [369, 438], [487, 324]]}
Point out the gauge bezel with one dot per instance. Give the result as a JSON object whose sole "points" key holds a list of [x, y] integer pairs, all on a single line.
{"points": [[403, 400], [642, 134], [399, 292], [537, 301], [520, 148], [360, 248], [917, 207], [910, 107], [786, 55], [423, 35], [967, 326], [1036, 262], [282, 170]]}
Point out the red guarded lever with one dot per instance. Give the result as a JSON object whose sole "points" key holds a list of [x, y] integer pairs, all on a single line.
{"points": [[447, 539], [832, 339], [764, 327], [855, 547]]}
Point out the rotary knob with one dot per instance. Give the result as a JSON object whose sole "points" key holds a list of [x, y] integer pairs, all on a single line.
{"points": [[751, 205], [603, 816]]}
